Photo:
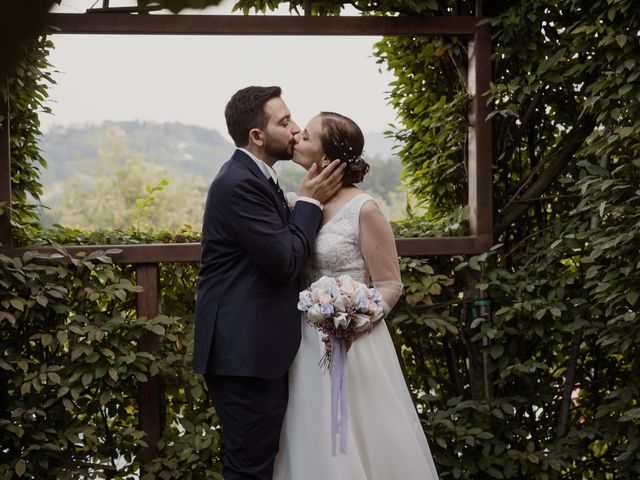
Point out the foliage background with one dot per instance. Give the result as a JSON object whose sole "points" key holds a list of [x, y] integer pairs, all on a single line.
{"points": [[523, 361]]}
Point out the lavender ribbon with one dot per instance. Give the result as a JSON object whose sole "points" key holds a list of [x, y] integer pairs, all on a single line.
{"points": [[339, 405]]}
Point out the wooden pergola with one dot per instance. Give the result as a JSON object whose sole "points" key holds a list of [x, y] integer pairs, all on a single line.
{"points": [[148, 257]]}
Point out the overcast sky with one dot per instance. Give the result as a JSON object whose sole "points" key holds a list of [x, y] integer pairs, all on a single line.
{"points": [[189, 79]]}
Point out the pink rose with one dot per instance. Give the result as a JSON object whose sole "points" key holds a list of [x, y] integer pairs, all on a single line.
{"points": [[324, 298]]}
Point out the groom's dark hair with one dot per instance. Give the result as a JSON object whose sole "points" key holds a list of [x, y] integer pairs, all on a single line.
{"points": [[245, 111]]}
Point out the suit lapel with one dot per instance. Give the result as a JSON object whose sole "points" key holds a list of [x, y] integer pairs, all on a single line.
{"points": [[247, 162]]}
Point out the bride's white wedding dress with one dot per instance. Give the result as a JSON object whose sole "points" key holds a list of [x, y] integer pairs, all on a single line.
{"points": [[385, 438]]}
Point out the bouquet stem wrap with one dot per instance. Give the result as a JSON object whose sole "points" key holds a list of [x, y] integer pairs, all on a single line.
{"points": [[339, 396]]}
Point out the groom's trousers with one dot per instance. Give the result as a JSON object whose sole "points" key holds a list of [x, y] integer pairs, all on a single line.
{"points": [[251, 411]]}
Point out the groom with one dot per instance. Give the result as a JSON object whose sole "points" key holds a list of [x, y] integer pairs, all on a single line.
{"points": [[247, 328]]}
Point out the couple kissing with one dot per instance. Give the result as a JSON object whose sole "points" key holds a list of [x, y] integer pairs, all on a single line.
{"points": [[258, 355]]}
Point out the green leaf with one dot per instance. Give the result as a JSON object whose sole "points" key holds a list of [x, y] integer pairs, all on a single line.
{"points": [[474, 264], [8, 316], [17, 303], [496, 351], [551, 61], [20, 468], [68, 405], [46, 339], [87, 378], [495, 473], [157, 329], [5, 366]]}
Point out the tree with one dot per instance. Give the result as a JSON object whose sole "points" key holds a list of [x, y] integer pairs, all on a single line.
{"points": [[525, 351], [126, 190]]}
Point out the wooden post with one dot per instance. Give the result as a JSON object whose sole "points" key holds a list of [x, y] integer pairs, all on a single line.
{"points": [[151, 392], [5, 172], [480, 140]]}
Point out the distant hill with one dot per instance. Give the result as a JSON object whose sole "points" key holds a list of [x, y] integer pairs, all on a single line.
{"points": [[191, 156], [188, 149]]}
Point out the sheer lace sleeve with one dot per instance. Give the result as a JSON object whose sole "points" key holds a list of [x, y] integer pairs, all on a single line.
{"points": [[379, 251]]}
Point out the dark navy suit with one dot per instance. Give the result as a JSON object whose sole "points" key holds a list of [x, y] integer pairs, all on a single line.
{"points": [[247, 329]]}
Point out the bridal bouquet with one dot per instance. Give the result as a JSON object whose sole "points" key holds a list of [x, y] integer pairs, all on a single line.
{"points": [[342, 309]]}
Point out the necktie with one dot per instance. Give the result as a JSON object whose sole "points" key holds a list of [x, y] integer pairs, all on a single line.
{"points": [[279, 192]]}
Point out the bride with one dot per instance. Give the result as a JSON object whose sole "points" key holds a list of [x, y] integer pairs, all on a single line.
{"points": [[385, 438]]}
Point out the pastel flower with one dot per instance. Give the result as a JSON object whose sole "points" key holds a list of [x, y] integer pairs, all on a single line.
{"points": [[379, 315], [304, 300], [360, 295], [314, 314], [324, 298], [346, 284], [326, 309], [372, 307], [375, 295], [362, 304], [341, 320], [362, 321], [324, 283], [342, 303]]}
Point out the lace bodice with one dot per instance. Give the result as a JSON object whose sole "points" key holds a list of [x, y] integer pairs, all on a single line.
{"points": [[372, 259], [337, 250]]}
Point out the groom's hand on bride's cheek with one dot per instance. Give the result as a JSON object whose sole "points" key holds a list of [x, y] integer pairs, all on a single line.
{"points": [[322, 185]]}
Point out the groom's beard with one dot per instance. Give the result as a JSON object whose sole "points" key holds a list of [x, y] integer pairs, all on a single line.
{"points": [[278, 150]]}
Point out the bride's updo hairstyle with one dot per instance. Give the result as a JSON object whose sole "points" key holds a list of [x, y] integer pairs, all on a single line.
{"points": [[342, 139]]}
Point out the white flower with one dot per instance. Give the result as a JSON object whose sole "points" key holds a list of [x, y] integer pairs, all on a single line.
{"points": [[314, 314], [324, 283], [378, 315], [322, 287], [292, 198], [347, 284], [341, 320], [361, 297], [304, 300], [362, 321], [342, 302]]}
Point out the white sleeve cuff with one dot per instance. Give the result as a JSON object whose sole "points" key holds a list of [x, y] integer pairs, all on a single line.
{"points": [[305, 199]]}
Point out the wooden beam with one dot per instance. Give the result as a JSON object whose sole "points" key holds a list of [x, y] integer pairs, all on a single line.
{"points": [[128, 254], [434, 246], [190, 252], [5, 173], [122, 23]]}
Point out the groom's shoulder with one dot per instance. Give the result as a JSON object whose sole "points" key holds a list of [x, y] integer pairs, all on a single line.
{"points": [[235, 171]]}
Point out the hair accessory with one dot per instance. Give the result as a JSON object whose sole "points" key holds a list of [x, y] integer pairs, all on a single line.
{"points": [[354, 159]]}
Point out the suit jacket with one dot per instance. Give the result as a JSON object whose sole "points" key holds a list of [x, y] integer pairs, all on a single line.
{"points": [[253, 249]]}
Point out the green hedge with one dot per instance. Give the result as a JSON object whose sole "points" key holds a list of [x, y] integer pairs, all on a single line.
{"points": [[70, 371]]}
